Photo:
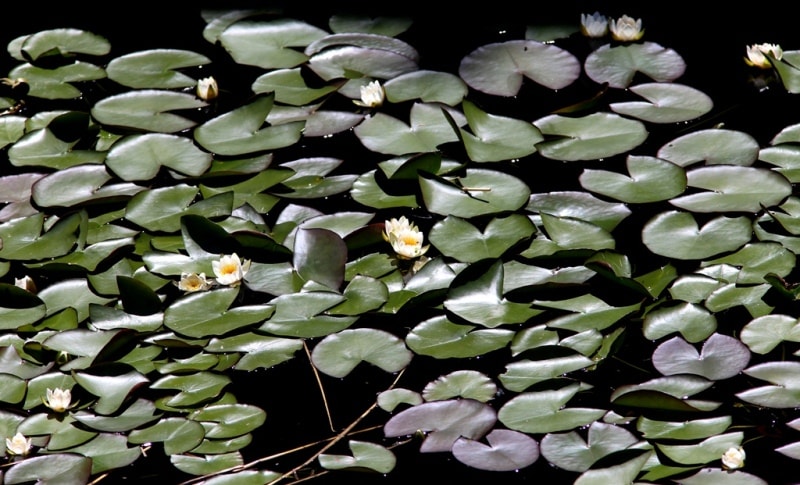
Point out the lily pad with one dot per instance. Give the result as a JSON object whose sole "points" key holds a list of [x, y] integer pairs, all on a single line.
{"points": [[722, 357], [147, 109], [592, 137], [617, 65], [500, 68], [666, 103], [155, 68], [507, 450], [140, 157], [676, 235], [338, 354], [650, 179]]}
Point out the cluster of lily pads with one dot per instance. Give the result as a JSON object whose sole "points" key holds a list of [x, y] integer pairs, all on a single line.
{"points": [[334, 185]]}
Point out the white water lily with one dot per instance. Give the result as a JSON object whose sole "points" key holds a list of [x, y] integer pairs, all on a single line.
{"points": [[406, 239], [594, 26], [18, 445], [756, 55], [58, 399], [26, 283], [191, 282], [230, 270], [626, 29], [207, 88], [372, 95], [733, 458]]}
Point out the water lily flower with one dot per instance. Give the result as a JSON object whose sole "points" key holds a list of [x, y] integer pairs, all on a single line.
{"points": [[405, 238], [230, 270], [191, 282], [26, 283], [372, 95], [733, 458], [594, 26], [18, 445], [626, 29], [58, 400], [207, 88], [756, 55]]}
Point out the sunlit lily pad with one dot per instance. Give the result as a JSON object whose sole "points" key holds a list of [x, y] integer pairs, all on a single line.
{"points": [[56, 83], [666, 103], [289, 87], [733, 189], [178, 435], [338, 354], [492, 138], [336, 62], [426, 86], [721, 357], [496, 192], [80, 184], [650, 179], [617, 65], [444, 422], [501, 68], [42, 148], [147, 109], [458, 238], [464, 383], [440, 338], [676, 234], [570, 451], [269, 44], [714, 146], [58, 467], [762, 334], [591, 137], [784, 389], [694, 322], [371, 456], [140, 157], [428, 129], [210, 313], [240, 131], [507, 450], [579, 205], [522, 374], [546, 411], [155, 68]]}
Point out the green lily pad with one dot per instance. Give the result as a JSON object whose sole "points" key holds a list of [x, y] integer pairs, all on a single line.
{"points": [[426, 86], [580, 205], [43, 148], [650, 179], [162, 209], [442, 339], [108, 452], [240, 131], [207, 464], [205, 314], [50, 469], [492, 138], [480, 300], [694, 322], [338, 354], [458, 238], [289, 87], [365, 455], [763, 334], [733, 189], [139, 413], [428, 129], [112, 391], [155, 68], [147, 109], [140, 157], [715, 146], [617, 65], [57, 83], [666, 103], [193, 388], [522, 374], [269, 44], [178, 435], [546, 411], [676, 235], [72, 186], [480, 192], [229, 420], [592, 137], [500, 68], [466, 384], [783, 392], [569, 451]]}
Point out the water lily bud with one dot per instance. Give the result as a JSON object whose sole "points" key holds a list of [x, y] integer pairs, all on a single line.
{"points": [[207, 89]]}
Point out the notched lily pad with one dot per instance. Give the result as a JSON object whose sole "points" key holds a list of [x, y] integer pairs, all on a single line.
{"points": [[338, 354], [617, 65], [500, 68]]}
